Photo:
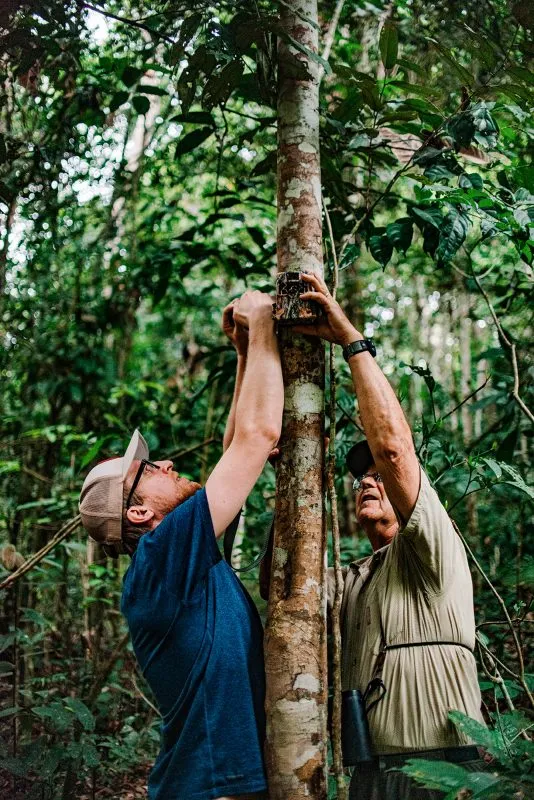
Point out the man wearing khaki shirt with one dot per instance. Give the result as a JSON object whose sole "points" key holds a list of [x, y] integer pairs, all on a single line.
{"points": [[407, 612]]}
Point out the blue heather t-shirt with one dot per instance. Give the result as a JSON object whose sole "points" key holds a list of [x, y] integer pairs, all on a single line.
{"points": [[198, 639]]}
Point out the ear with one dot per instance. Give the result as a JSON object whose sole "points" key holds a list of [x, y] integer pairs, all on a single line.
{"points": [[140, 515]]}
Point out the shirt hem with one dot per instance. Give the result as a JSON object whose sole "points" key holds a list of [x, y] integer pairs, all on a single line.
{"points": [[222, 791]]}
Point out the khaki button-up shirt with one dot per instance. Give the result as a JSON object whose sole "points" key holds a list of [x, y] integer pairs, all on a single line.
{"points": [[416, 589]]}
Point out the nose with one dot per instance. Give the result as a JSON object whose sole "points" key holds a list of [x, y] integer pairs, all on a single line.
{"points": [[165, 466], [368, 482]]}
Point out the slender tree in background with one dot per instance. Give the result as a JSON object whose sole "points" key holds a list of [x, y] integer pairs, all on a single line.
{"points": [[295, 636]]}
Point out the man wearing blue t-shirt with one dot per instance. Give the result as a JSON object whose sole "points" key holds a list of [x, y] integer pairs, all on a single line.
{"points": [[196, 633]]}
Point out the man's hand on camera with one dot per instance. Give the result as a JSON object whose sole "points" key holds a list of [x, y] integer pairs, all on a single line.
{"points": [[237, 334], [334, 327], [253, 308]]}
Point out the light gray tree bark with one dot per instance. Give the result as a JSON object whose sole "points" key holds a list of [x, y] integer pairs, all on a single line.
{"points": [[296, 631]]}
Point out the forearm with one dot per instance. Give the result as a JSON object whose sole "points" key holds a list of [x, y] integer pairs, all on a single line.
{"points": [[261, 398], [384, 423], [230, 422]]}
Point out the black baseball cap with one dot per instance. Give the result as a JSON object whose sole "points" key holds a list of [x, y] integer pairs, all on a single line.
{"points": [[359, 458]]}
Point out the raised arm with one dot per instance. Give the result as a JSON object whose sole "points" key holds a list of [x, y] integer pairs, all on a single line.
{"points": [[238, 335], [387, 431], [258, 414]]}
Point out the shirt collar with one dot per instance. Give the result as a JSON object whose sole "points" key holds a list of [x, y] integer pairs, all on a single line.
{"points": [[370, 561]]}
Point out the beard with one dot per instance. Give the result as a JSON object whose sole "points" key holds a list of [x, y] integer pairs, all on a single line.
{"points": [[184, 490]]}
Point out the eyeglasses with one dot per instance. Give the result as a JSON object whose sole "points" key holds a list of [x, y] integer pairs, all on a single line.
{"points": [[137, 478], [357, 485]]}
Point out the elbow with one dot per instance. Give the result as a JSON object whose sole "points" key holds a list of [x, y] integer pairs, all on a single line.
{"points": [[263, 437], [395, 448]]}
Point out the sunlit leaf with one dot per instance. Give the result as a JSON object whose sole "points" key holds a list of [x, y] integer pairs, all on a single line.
{"points": [[389, 44]]}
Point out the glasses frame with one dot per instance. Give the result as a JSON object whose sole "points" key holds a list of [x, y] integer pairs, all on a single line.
{"points": [[144, 463], [357, 483]]}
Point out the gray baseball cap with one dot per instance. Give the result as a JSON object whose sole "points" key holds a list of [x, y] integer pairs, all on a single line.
{"points": [[102, 496]]}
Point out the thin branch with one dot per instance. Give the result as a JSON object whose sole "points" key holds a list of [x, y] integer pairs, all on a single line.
{"points": [[511, 346], [494, 658], [31, 562], [103, 673], [348, 416], [337, 753], [181, 453], [330, 34], [144, 697], [469, 396], [126, 21]]}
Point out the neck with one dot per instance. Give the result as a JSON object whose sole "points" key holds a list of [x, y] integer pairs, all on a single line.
{"points": [[380, 532]]}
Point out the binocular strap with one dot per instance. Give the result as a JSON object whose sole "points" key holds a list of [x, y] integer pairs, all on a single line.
{"points": [[228, 544]]}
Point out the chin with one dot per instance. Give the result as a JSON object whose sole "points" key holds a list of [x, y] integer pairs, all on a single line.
{"points": [[369, 515]]}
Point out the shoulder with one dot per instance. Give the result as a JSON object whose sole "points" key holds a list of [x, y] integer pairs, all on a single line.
{"points": [[428, 507]]}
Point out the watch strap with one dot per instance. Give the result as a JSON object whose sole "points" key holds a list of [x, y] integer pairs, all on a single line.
{"points": [[359, 346]]}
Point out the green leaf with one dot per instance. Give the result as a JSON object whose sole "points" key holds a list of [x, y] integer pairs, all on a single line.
{"points": [[6, 668], [192, 140], [81, 712], [461, 128], [411, 66], [267, 164], [517, 480], [400, 233], [130, 75], [58, 718], [371, 96], [198, 117], [8, 712], [141, 103], [352, 252], [389, 44], [257, 236], [118, 99], [448, 777], [31, 615], [90, 754], [471, 180], [447, 56], [221, 85], [380, 247], [479, 733], [188, 29], [146, 88], [452, 235], [432, 216], [494, 466], [414, 88], [94, 450], [9, 466], [522, 217]]}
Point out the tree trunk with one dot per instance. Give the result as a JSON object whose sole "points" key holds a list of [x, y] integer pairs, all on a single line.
{"points": [[296, 631]]}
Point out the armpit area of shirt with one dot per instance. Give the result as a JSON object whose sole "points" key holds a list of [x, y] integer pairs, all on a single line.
{"points": [[415, 517]]}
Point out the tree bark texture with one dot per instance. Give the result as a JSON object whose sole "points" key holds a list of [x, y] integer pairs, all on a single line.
{"points": [[296, 632]]}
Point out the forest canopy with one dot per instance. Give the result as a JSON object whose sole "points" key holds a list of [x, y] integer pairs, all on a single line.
{"points": [[137, 197]]}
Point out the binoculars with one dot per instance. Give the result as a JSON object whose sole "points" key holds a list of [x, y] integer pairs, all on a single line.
{"points": [[355, 736]]}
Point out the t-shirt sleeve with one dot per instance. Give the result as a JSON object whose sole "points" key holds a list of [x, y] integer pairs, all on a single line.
{"points": [[182, 549], [430, 538]]}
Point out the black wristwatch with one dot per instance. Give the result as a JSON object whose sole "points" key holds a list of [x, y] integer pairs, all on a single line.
{"points": [[359, 346]]}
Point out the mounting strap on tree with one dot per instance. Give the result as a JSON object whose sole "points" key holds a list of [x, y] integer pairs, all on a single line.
{"points": [[228, 544]]}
